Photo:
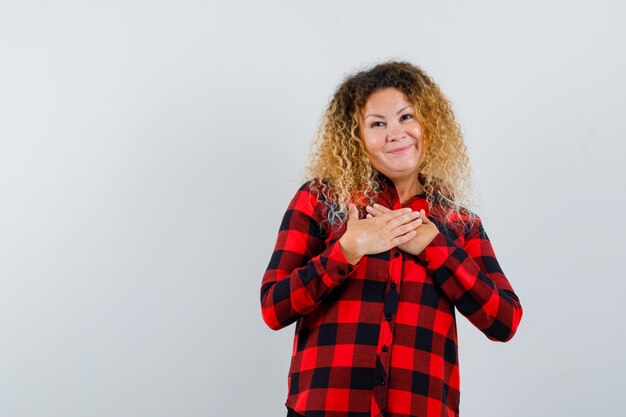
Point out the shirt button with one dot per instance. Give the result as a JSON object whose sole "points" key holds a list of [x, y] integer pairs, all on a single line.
{"points": [[393, 285], [342, 272], [385, 348], [396, 254], [382, 382], [388, 318]]}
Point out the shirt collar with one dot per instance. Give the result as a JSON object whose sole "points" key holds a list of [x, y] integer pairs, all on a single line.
{"points": [[389, 195]]}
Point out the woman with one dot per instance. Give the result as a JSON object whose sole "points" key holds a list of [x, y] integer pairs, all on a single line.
{"points": [[377, 249]]}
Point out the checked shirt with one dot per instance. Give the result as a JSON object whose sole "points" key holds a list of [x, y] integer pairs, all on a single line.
{"points": [[379, 338]]}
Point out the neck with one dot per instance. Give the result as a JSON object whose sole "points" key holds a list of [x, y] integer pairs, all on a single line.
{"points": [[407, 188]]}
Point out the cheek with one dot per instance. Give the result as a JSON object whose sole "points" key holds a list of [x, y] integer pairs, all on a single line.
{"points": [[371, 156], [372, 153], [417, 131], [423, 149], [372, 144]]}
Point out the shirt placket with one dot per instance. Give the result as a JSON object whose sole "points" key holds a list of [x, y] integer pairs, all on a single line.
{"points": [[385, 339]]}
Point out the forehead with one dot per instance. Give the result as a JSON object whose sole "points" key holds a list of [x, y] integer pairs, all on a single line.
{"points": [[387, 99]]}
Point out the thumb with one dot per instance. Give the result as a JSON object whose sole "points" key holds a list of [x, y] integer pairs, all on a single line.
{"points": [[425, 219], [353, 213]]}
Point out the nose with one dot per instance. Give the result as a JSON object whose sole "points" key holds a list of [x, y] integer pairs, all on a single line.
{"points": [[395, 132]]}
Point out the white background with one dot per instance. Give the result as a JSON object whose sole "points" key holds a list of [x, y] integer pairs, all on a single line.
{"points": [[148, 150]]}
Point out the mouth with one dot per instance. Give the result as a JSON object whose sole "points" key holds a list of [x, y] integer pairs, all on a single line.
{"points": [[400, 150]]}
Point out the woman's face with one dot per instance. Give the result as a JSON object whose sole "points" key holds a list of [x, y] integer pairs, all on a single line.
{"points": [[392, 135]]}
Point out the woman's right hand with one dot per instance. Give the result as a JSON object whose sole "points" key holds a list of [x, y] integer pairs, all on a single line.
{"points": [[377, 234]]}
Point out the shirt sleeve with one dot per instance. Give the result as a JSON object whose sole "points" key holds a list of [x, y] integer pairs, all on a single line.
{"points": [[472, 278], [302, 269]]}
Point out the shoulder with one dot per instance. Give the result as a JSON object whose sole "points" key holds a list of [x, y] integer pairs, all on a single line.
{"points": [[309, 198], [306, 211], [463, 222], [314, 184]]}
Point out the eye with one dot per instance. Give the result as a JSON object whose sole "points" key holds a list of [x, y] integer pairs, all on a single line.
{"points": [[406, 116], [376, 124]]}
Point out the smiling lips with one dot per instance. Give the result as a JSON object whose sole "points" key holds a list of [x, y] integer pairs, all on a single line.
{"points": [[400, 150]]}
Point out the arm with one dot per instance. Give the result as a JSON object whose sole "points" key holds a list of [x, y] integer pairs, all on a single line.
{"points": [[472, 278], [301, 271]]}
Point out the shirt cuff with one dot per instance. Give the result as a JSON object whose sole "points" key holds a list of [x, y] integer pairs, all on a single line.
{"points": [[437, 252], [337, 266]]}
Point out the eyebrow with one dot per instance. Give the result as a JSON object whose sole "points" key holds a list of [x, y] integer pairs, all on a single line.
{"points": [[382, 117]]}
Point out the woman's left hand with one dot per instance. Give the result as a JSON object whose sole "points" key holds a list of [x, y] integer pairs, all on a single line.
{"points": [[425, 231]]}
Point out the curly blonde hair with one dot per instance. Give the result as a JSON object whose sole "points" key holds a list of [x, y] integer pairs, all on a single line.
{"points": [[340, 170]]}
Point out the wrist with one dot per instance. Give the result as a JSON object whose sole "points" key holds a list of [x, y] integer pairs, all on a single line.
{"points": [[349, 249]]}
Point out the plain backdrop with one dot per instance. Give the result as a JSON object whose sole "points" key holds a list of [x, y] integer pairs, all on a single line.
{"points": [[148, 150]]}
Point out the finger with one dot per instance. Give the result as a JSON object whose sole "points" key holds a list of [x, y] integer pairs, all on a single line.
{"points": [[374, 211], [392, 214], [381, 208], [402, 219], [424, 217], [407, 227], [403, 238], [353, 213], [369, 216], [377, 207]]}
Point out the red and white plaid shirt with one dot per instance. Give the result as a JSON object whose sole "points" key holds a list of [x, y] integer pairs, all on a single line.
{"points": [[379, 338]]}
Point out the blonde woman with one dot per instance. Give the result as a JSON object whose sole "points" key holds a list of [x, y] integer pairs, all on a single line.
{"points": [[376, 250]]}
